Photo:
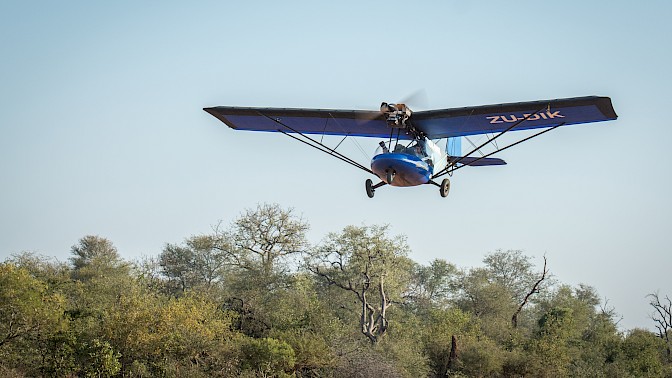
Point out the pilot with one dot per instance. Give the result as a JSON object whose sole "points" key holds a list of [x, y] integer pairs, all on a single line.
{"points": [[419, 151]]}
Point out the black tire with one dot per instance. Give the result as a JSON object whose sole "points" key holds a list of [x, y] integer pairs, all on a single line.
{"points": [[369, 188], [445, 188]]}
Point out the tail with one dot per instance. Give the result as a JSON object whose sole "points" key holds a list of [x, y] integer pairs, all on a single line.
{"points": [[454, 146], [474, 161]]}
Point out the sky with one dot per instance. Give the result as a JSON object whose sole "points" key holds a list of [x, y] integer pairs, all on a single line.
{"points": [[102, 130]]}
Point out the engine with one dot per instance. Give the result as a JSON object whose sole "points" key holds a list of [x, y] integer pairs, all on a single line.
{"points": [[396, 115]]}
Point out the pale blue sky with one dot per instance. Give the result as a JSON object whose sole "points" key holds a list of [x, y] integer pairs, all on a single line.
{"points": [[102, 132]]}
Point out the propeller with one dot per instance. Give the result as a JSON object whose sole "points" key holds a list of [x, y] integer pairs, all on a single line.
{"points": [[416, 100]]}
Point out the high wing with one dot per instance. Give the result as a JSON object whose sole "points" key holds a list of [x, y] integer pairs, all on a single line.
{"points": [[434, 124], [497, 118], [306, 121]]}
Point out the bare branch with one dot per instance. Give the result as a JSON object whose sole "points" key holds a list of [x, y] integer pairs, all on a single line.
{"points": [[534, 290], [663, 319]]}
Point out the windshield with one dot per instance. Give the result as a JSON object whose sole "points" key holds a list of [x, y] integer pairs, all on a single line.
{"points": [[425, 150], [414, 148]]}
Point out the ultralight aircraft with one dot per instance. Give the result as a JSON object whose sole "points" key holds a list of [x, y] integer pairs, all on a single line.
{"points": [[410, 154]]}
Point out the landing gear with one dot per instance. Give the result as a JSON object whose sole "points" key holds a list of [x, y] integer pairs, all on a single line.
{"points": [[389, 176], [369, 188], [444, 188]]}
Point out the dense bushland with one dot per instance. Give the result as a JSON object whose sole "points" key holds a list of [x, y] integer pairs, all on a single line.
{"points": [[255, 299]]}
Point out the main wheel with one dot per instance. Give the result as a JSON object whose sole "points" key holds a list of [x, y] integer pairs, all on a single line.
{"points": [[445, 188], [369, 188]]}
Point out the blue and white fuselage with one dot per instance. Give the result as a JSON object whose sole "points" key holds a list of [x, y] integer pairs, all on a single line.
{"points": [[409, 165]]}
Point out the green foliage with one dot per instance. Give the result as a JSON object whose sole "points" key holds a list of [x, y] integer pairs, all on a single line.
{"points": [[311, 350], [202, 261], [266, 236], [367, 362], [551, 347], [641, 354], [100, 360], [481, 357], [511, 270], [231, 304], [487, 301], [186, 330], [59, 354], [95, 257], [267, 356], [369, 265], [27, 309], [440, 327], [432, 285]]}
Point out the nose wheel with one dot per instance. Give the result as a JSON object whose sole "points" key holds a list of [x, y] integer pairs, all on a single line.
{"points": [[389, 175]]}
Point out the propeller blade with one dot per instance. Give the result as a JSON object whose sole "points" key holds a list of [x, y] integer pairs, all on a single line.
{"points": [[416, 100]]}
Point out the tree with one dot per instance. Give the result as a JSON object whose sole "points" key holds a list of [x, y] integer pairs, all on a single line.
{"points": [[442, 328], [31, 314], [484, 297], [552, 345], [641, 354], [27, 309], [599, 343], [96, 257], [100, 275], [576, 335], [177, 264], [514, 271], [533, 290], [662, 316], [431, 285], [53, 273], [268, 357], [159, 334], [370, 265], [200, 261], [266, 236]]}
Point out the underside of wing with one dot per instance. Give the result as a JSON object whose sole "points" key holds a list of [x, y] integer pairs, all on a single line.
{"points": [[305, 121], [497, 118]]}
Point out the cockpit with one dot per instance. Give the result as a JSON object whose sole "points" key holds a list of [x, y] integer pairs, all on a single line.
{"points": [[415, 148], [412, 152]]}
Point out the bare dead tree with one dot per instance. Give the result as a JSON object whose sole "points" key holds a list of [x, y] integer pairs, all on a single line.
{"points": [[534, 290], [369, 264], [663, 319], [373, 321], [610, 312]]}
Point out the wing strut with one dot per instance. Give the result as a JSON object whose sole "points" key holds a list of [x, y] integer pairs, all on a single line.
{"points": [[453, 168], [318, 145], [452, 164]]}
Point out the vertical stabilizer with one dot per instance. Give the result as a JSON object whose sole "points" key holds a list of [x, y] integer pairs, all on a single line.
{"points": [[454, 146]]}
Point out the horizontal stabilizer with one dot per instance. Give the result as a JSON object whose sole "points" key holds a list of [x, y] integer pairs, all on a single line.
{"points": [[475, 162]]}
